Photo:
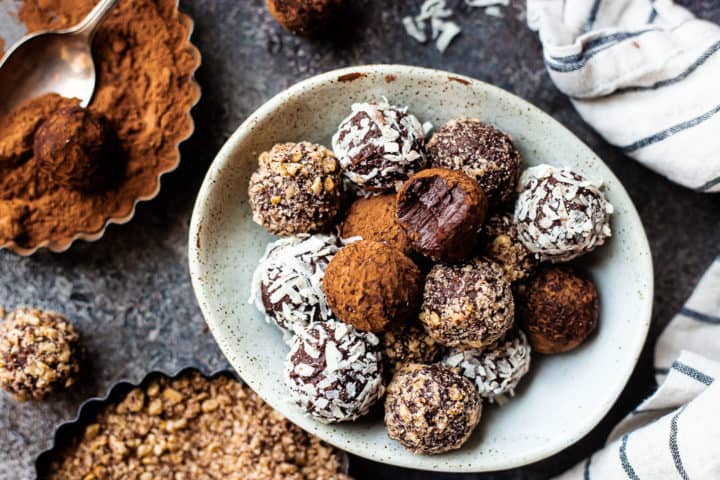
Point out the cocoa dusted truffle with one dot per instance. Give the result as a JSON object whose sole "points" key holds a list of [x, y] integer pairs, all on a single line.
{"points": [[296, 189], [39, 353], [467, 305], [430, 409], [370, 285], [373, 218], [558, 309], [334, 372], [408, 343], [303, 17], [78, 149], [441, 212], [560, 214], [287, 284], [379, 146], [481, 151], [502, 245], [497, 370]]}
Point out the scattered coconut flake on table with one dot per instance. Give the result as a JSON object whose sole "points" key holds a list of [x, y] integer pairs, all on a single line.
{"points": [[436, 14]]}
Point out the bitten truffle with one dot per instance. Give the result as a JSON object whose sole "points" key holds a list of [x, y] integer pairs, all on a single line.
{"points": [[303, 17], [408, 343], [441, 212], [334, 372], [39, 353], [430, 409], [467, 305], [481, 151], [371, 286], [374, 218], [502, 245], [497, 370], [296, 189], [558, 309], [287, 284], [560, 214], [78, 149], [379, 146]]}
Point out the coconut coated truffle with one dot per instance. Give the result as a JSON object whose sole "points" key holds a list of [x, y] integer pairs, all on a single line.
{"points": [[287, 284], [371, 286], [379, 146], [495, 371], [296, 189], [430, 409], [39, 353], [558, 309], [373, 218], [334, 372], [408, 343], [481, 151], [303, 17], [441, 212], [467, 305], [560, 214], [502, 245]]}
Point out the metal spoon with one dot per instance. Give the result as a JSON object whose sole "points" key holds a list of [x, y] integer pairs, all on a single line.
{"points": [[53, 61]]}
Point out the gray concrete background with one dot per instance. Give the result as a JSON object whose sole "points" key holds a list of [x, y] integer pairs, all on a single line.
{"points": [[130, 295]]}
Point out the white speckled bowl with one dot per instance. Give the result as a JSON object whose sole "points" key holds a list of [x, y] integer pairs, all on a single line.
{"points": [[564, 397]]}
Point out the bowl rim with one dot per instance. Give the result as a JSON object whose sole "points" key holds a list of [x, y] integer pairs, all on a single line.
{"points": [[350, 73]]}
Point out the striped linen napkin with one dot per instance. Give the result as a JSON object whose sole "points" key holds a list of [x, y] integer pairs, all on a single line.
{"points": [[674, 434], [645, 74]]}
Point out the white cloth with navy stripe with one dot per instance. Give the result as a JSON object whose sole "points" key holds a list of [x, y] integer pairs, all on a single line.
{"points": [[645, 74], [674, 434]]}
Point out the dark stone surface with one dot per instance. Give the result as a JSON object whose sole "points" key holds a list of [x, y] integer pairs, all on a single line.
{"points": [[130, 295]]}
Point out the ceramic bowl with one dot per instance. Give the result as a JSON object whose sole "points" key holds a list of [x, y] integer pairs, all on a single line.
{"points": [[564, 397]]}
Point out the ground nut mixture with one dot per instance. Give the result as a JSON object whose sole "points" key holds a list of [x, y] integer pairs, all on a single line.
{"points": [[193, 428]]}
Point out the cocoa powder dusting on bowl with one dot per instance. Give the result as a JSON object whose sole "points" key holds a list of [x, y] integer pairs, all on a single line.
{"points": [[144, 64]]}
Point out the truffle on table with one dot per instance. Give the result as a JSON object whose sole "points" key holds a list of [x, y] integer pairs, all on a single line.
{"points": [[303, 17], [467, 305], [560, 214], [441, 212], [430, 409], [496, 370], [481, 151], [558, 309], [502, 245], [374, 218], [39, 353], [334, 372], [287, 284], [379, 146], [296, 189], [408, 343], [371, 286]]}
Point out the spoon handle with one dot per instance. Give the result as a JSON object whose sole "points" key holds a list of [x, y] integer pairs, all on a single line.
{"points": [[89, 25]]}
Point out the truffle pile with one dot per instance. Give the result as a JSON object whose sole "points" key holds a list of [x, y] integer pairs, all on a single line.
{"points": [[439, 251]]}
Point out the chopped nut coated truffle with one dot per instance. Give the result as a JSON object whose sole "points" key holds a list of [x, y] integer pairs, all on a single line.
{"points": [[430, 409], [303, 17], [371, 286], [38, 353], [296, 189], [558, 309], [334, 372], [502, 245], [467, 305], [408, 343], [374, 218], [441, 212], [481, 151]]}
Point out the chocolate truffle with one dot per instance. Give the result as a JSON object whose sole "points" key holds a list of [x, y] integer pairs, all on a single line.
{"points": [[558, 309], [467, 305], [373, 218], [560, 214], [296, 189], [379, 146], [78, 149], [441, 212], [408, 343], [39, 353], [481, 151], [287, 284], [502, 245], [497, 370], [430, 409], [370, 285], [334, 372], [303, 17]]}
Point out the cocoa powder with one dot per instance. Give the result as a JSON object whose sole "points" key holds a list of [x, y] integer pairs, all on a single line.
{"points": [[145, 90]]}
